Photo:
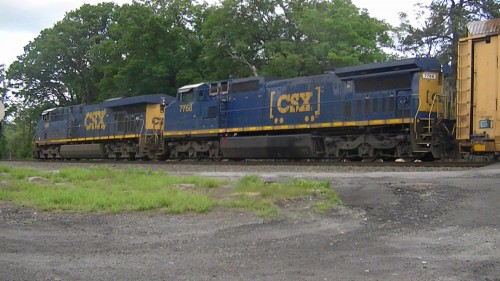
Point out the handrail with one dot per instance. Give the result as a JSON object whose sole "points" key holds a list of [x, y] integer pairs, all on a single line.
{"points": [[430, 111], [415, 121]]}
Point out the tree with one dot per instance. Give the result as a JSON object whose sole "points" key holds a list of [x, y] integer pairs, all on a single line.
{"points": [[152, 47], [329, 34], [290, 38], [235, 34], [445, 23], [55, 68]]}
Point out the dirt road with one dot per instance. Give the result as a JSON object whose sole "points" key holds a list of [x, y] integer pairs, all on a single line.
{"points": [[394, 226]]}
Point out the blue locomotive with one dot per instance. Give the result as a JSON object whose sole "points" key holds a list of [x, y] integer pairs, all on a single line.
{"points": [[385, 110], [116, 128]]}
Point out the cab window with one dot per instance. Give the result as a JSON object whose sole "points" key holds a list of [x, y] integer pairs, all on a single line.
{"points": [[187, 96]]}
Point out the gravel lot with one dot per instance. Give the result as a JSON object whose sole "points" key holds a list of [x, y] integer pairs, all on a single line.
{"points": [[401, 223]]}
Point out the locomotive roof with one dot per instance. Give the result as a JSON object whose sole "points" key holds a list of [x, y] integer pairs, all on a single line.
{"points": [[406, 65], [189, 87], [157, 98]]}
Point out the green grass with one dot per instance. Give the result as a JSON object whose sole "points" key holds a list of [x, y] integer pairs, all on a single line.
{"points": [[108, 190], [103, 189], [263, 197]]}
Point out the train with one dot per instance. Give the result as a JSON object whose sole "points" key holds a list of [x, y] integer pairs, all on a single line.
{"points": [[388, 111]]}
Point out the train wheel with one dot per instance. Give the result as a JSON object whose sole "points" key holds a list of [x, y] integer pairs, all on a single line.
{"points": [[372, 158], [367, 153], [178, 156], [192, 153], [337, 157]]}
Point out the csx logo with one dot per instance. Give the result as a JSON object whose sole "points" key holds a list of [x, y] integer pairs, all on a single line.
{"points": [[306, 103], [95, 120], [297, 102]]}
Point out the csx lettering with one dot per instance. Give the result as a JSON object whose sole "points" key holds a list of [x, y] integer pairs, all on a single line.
{"points": [[95, 120], [297, 102]]}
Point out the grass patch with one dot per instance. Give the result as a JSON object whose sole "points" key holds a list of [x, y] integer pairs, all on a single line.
{"points": [[106, 189], [262, 197], [103, 189]]}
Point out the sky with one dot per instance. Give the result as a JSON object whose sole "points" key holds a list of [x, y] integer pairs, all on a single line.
{"points": [[22, 21]]}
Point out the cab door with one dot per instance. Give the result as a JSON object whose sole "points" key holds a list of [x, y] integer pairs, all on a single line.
{"points": [[188, 109]]}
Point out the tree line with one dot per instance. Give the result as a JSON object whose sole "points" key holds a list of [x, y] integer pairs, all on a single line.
{"points": [[103, 51]]}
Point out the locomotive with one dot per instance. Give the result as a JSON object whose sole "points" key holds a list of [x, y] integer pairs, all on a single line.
{"points": [[374, 111], [115, 128]]}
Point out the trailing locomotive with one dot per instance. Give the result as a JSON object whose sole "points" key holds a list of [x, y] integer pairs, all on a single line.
{"points": [[385, 110], [118, 128]]}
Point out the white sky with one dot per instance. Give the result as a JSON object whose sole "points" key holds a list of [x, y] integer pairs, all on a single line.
{"points": [[22, 21]]}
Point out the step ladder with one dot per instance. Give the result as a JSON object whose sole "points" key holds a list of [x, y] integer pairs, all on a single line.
{"points": [[463, 109]]}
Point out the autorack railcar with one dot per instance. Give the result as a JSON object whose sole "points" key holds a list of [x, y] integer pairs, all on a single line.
{"points": [[478, 90]]}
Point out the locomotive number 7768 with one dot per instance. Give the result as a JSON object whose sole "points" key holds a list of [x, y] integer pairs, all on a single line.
{"points": [[186, 108]]}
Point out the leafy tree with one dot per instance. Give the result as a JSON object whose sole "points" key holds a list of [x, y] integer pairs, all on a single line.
{"points": [[235, 33], [151, 48], [445, 23], [328, 34], [55, 68], [16, 141], [290, 37], [3, 86]]}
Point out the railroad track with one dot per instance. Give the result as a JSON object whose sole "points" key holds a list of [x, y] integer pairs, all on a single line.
{"points": [[207, 162]]}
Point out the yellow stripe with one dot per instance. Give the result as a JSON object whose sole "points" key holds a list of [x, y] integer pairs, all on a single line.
{"points": [[245, 129], [377, 122], [88, 139], [303, 126]]}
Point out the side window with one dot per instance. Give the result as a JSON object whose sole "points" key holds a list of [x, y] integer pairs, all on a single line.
{"points": [[45, 117], [223, 88], [213, 89]]}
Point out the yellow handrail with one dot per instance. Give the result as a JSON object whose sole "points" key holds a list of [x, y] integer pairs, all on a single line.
{"points": [[415, 121]]}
